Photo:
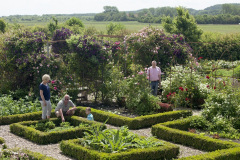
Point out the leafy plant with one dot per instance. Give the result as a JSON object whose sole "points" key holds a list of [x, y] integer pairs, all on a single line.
{"points": [[112, 140], [221, 113]]}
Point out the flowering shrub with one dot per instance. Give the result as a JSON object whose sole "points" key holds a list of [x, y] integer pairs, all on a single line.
{"points": [[89, 49], [153, 44], [221, 113], [89, 59], [138, 94], [184, 89], [61, 47], [20, 52], [134, 90], [24, 42]]}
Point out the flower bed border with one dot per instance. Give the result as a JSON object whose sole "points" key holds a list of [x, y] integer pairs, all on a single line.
{"points": [[40, 137], [134, 123], [71, 148], [218, 149]]}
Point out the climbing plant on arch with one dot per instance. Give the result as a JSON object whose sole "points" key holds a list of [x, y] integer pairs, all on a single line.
{"points": [[153, 44]]}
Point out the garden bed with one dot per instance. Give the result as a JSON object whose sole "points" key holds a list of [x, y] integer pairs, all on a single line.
{"points": [[134, 123], [176, 131], [75, 149], [29, 130]]}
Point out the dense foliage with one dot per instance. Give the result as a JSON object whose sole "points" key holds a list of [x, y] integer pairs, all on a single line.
{"points": [[221, 112], [27, 104], [215, 46], [60, 35]]}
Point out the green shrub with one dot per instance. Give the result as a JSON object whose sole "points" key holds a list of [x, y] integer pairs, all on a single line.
{"points": [[23, 154], [222, 111], [134, 123], [199, 122], [184, 88], [73, 149], [1, 140]]}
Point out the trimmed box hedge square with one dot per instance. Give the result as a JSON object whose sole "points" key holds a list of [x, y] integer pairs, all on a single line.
{"points": [[23, 129], [73, 149], [175, 131], [134, 123]]}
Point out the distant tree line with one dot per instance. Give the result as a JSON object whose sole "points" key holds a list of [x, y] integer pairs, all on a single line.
{"points": [[219, 14]]}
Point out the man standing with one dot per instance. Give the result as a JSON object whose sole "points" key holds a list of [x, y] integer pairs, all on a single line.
{"points": [[154, 74], [63, 106]]}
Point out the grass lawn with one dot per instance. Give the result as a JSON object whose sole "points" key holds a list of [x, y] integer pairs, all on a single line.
{"points": [[136, 26]]}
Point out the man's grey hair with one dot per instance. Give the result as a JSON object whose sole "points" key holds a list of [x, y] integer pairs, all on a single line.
{"points": [[66, 95]]}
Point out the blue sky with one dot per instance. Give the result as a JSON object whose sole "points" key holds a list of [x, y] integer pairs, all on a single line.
{"points": [[39, 7]]}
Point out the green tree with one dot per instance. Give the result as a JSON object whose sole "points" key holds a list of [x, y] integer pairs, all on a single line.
{"points": [[115, 28], [2, 26], [53, 25], [74, 21], [184, 24], [110, 9]]}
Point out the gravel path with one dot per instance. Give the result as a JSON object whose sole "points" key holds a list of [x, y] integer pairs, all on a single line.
{"points": [[13, 141], [184, 151]]}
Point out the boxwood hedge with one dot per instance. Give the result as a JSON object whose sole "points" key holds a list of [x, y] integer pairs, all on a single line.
{"points": [[2, 140], [23, 129], [36, 155], [31, 155], [102, 116], [73, 149], [5, 120], [134, 123], [176, 131]]}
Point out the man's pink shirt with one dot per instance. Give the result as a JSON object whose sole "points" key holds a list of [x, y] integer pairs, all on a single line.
{"points": [[154, 73]]}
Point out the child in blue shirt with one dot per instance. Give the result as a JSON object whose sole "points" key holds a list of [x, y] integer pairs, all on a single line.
{"points": [[89, 115]]}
